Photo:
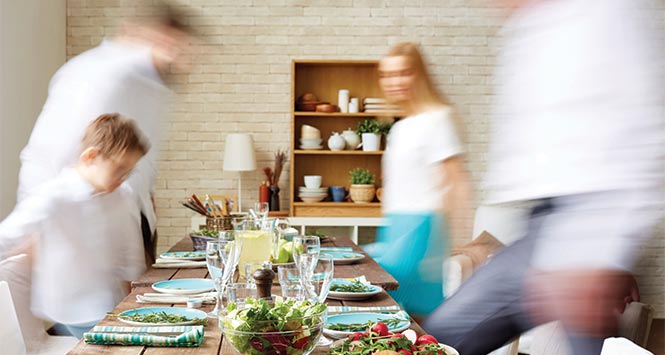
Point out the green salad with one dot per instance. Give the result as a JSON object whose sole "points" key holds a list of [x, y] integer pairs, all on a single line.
{"points": [[289, 327], [160, 317], [206, 233], [352, 286]]}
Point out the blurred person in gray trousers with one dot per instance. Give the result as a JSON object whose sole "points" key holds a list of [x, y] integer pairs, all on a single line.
{"points": [[578, 132]]}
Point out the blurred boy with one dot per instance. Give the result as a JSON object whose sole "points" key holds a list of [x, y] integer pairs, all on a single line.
{"points": [[88, 226]]}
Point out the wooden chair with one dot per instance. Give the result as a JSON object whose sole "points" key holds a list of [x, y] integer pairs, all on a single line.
{"points": [[16, 272], [10, 330]]}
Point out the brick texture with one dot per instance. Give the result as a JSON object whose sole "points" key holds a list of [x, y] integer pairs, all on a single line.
{"points": [[239, 81]]}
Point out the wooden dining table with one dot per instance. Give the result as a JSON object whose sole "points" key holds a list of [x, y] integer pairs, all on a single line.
{"points": [[213, 342]]}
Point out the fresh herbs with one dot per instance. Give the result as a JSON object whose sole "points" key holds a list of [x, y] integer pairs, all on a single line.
{"points": [[359, 327], [378, 339], [353, 286], [160, 318]]}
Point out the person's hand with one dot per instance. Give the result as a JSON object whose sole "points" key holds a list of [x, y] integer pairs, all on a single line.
{"points": [[587, 302]]}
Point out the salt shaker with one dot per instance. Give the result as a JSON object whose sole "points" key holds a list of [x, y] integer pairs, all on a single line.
{"points": [[343, 100]]}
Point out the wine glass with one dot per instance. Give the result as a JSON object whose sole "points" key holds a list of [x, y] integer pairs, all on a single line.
{"points": [[222, 257], [306, 251], [305, 254], [322, 276], [261, 209]]}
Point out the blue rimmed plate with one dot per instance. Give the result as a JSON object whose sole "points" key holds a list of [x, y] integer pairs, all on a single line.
{"points": [[361, 318], [193, 316], [184, 255], [346, 295], [343, 258], [184, 286]]}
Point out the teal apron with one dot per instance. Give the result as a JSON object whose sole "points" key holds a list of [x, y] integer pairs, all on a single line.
{"points": [[411, 248]]}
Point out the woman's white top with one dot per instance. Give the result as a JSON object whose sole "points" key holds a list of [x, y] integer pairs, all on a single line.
{"points": [[412, 174], [88, 245]]}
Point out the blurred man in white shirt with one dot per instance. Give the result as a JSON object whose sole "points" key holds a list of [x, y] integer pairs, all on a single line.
{"points": [[124, 74], [577, 131]]}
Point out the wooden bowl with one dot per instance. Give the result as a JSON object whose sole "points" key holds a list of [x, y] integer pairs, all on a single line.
{"points": [[308, 105], [328, 108]]}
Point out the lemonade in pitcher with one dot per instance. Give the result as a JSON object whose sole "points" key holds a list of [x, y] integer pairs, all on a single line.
{"points": [[256, 246]]}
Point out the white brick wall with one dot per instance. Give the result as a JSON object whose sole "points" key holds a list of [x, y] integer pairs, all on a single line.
{"points": [[240, 82]]}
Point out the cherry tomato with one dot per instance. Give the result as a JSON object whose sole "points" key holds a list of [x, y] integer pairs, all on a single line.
{"points": [[381, 329], [426, 339], [356, 336]]}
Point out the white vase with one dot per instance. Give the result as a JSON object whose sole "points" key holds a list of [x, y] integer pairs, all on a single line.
{"points": [[371, 142]]}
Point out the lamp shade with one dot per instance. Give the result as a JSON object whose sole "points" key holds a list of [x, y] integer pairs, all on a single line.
{"points": [[239, 152]]}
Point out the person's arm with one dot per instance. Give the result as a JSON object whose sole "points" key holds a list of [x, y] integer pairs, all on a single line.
{"points": [[25, 220], [457, 203]]}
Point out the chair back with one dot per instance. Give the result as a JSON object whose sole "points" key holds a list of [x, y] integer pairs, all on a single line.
{"points": [[10, 330]]}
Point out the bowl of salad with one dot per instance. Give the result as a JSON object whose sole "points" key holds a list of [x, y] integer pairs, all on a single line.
{"points": [[259, 327]]}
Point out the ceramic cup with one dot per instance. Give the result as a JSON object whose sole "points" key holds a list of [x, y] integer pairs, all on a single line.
{"points": [[313, 181], [338, 193]]}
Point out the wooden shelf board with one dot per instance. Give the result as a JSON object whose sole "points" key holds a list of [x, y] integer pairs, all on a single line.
{"points": [[333, 152], [340, 114], [338, 204]]}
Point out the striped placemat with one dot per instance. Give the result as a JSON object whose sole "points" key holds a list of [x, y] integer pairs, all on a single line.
{"points": [[352, 309], [179, 336]]}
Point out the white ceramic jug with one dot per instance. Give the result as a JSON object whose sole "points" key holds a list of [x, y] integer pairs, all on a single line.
{"points": [[336, 142]]}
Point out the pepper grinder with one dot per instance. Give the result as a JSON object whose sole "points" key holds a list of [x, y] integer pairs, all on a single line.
{"points": [[263, 278]]}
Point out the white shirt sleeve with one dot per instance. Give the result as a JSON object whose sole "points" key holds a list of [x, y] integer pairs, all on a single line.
{"points": [[26, 218], [442, 142]]}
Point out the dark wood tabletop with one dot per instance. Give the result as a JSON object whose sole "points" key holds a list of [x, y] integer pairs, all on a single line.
{"points": [[213, 342]]}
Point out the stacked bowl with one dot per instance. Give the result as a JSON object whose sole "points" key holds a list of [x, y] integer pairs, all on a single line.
{"points": [[310, 138], [312, 191], [311, 195]]}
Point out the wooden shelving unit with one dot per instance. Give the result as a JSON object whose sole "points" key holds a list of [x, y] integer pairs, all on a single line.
{"points": [[339, 152], [325, 78]]}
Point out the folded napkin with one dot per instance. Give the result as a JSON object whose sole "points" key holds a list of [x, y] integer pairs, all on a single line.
{"points": [[353, 309], [338, 249], [177, 264], [206, 297], [179, 336]]}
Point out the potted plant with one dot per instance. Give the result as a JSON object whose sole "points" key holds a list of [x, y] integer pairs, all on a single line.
{"points": [[370, 130], [362, 185]]}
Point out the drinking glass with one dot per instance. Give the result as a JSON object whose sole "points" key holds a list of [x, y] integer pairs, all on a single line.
{"points": [[238, 292], [289, 282], [306, 255], [252, 266], [322, 276], [222, 259], [261, 209]]}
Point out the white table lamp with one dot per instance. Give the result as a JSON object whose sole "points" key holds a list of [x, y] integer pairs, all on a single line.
{"points": [[239, 156]]}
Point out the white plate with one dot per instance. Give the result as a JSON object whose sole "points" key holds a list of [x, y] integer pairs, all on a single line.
{"points": [[353, 318], [344, 257], [184, 255], [311, 148], [351, 296], [192, 314], [184, 286]]}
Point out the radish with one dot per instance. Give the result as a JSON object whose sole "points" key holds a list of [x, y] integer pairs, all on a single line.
{"points": [[411, 335]]}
